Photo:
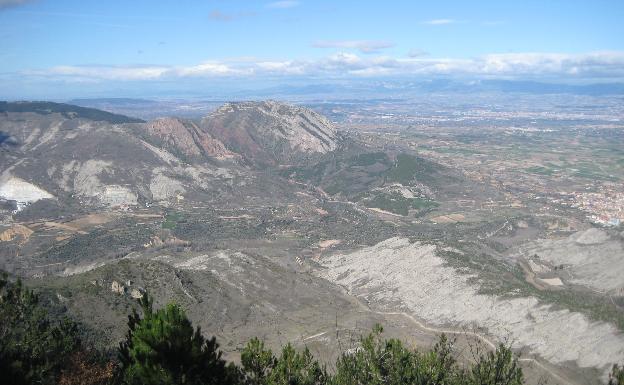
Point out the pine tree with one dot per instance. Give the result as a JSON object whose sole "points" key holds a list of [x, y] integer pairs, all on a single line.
{"points": [[294, 368], [163, 348], [33, 348], [499, 367], [257, 362]]}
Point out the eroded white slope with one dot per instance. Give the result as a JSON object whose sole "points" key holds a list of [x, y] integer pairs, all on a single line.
{"points": [[19, 190], [396, 271], [590, 258]]}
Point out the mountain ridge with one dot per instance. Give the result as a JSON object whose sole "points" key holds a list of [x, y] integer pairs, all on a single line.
{"points": [[64, 152], [67, 110], [271, 133]]}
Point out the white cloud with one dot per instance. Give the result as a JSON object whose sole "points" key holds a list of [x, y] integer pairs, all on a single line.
{"points": [[211, 69], [107, 72], [509, 65], [365, 46], [283, 4], [344, 59], [594, 64], [282, 67], [439, 21]]}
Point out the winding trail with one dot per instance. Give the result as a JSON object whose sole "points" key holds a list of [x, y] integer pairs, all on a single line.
{"points": [[482, 338]]}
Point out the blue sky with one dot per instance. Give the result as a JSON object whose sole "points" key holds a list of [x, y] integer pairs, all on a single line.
{"points": [[64, 46]]}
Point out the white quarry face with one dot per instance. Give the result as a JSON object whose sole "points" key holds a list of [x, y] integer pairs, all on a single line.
{"points": [[24, 193]]}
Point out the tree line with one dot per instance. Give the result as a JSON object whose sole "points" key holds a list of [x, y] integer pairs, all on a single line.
{"points": [[162, 347]]}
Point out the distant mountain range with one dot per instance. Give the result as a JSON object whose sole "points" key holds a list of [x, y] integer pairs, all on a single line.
{"points": [[370, 90], [374, 89]]}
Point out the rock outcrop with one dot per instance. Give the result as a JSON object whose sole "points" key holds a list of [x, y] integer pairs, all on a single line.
{"points": [[186, 138], [271, 133]]}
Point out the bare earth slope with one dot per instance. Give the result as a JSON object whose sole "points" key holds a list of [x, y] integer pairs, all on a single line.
{"points": [[411, 277]]}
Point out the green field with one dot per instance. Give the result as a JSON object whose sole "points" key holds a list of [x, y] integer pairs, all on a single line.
{"points": [[398, 204], [171, 220]]}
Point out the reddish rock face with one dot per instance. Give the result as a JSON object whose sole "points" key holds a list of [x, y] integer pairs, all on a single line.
{"points": [[187, 138], [271, 133]]}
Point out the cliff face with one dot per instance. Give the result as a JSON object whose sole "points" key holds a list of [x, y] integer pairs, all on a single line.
{"points": [[271, 133], [186, 138]]}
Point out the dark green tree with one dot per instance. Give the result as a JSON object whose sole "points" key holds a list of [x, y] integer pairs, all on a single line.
{"points": [[498, 367], [294, 368], [616, 377], [437, 366], [378, 362], [257, 362], [33, 348], [261, 367], [163, 348]]}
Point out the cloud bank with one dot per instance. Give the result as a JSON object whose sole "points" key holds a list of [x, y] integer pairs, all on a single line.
{"points": [[593, 65]]}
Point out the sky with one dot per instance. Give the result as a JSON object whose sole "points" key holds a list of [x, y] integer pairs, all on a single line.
{"points": [[61, 48]]}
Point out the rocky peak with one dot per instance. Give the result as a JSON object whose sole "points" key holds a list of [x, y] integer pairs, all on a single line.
{"points": [[270, 132]]}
